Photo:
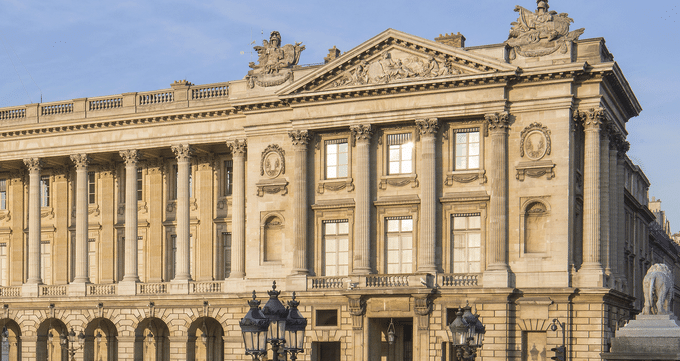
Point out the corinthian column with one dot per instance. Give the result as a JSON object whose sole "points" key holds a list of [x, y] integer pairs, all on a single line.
{"points": [[362, 227], [496, 275], [238, 214], [182, 262], [34, 165], [81, 161], [131, 158], [300, 140], [591, 273], [428, 196]]}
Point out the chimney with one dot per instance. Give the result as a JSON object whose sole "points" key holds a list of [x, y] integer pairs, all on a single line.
{"points": [[333, 54], [455, 40]]}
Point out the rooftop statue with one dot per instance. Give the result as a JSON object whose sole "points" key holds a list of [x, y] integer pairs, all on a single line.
{"points": [[273, 61], [541, 32], [658, 290]]}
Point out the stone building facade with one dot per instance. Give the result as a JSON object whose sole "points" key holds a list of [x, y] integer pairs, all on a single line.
{"points": [[394, 183]]}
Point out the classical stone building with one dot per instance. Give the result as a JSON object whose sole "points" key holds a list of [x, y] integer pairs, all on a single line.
{"points": [[394, 183]]}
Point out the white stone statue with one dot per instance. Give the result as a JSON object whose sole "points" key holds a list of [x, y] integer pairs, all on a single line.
{"points": [[658, 290]]}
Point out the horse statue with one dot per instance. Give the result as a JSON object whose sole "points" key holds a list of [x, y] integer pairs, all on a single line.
{"points": [[658, 290]]}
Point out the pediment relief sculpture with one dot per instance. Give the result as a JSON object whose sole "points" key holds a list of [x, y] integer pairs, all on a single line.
{"points": [[274, 62], [541, 32], [391, 67]]}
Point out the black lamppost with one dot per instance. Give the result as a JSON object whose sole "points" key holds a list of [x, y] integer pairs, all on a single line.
{"points": [[468, 334], [283, 328], [73, 343]]}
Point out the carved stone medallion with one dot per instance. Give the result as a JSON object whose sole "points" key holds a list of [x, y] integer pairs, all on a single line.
{"points": [[273, 162], [535, 143]]}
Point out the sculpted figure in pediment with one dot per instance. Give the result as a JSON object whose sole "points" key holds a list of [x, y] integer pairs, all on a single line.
{"points": [[274, 62], [541, 32], [389, 69]]}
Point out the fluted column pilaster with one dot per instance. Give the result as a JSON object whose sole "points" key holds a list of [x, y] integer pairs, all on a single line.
{"points": [[182, 261], [428, 196], [621, 215], [362, 228], [497, 273], [131, 157], [604, 202], [300, 139], [81, 162], [34, 166], [238, 217]]}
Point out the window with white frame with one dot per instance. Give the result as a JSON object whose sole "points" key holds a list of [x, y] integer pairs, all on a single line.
{"points": [[45, 191], [337, 158], [4, 266], [91, 188], [467, 149], [336, 247], [467, 243], [3, 193], [400, 153], [399, 245]]}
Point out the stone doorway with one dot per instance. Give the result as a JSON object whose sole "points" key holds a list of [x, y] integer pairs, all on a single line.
{"points": [[380, 349]]}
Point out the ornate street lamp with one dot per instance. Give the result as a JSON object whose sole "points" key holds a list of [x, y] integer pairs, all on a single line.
{"points": [[283, 328], [391, 334], [73, 342], [468, 334]]}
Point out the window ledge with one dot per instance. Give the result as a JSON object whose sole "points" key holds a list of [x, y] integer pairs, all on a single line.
{"points": [[399, 180], [335, 184], [466, 176], [535, 169]]}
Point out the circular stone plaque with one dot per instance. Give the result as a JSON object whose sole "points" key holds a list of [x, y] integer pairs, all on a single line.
{"points": [[535, 145]]}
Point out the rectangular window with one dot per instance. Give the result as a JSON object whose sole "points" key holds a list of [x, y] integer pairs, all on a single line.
{"points": [[467, 148], [336, 248], [92, 259], [45, 191], [140, 183], [226, 243], [173, 179], [46, 262], [4, 267], [191, 183], [467, 243], [228, 177], [399, 245], [337, 158], [91, 188], [400, 148], [3, 193]]}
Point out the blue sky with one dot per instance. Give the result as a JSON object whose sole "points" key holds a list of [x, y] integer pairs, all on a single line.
{"points": [[74, 49]]}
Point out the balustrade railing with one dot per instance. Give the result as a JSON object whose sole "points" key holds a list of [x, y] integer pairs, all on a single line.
{"points": [[326, 282], [152, 288], [209, 91], [206, 287], [56, 109], [105, 104], [49, 290], [458, 280], [387, 281], [156, 98], [101, 290], [12, 114], [10, 291]]}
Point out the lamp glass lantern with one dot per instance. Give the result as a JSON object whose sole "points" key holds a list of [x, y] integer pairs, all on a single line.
{"points": [[459, 329], [391, 334], [254, 327], [295, 327], [277, 314]]}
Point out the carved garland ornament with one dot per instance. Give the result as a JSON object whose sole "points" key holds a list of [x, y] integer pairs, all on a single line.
{"points": [[535, 143]]}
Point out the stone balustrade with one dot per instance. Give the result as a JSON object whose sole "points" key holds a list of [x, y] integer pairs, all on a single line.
{"points": [[127, 103]]}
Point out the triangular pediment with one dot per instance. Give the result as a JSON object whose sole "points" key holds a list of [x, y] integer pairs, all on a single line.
{"points": [[394, 57]]}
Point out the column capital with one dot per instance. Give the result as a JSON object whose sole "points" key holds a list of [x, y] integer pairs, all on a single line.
{"points": [[33, 164], [131, 156], [299, 137], [361, 132], [80, 160], [592, 119], [497, 121], [238, 147], [428, 126], [182, 152]]}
